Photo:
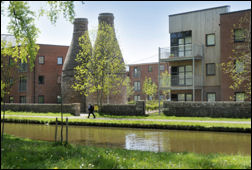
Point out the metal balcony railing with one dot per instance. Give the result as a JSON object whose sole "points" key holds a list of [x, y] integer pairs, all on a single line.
{"points": [[181, 81], [189, 50]]}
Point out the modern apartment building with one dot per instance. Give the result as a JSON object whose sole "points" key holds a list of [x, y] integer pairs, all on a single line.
{"points": [[194, 55]]}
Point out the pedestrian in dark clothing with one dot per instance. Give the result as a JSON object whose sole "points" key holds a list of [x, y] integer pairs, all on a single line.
{"points": [[91, 110]]}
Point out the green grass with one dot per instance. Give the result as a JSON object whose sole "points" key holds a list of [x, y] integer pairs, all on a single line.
{"points": [[19, 153], [131, 123]]}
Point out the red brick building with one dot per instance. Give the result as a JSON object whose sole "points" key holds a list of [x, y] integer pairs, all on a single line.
{"points": [[42, 84], [230, 26], [137, 75]]}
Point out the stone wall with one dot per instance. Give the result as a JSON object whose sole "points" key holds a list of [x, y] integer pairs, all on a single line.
{"points": [[73, 108], [208, 109], [137, 109]]}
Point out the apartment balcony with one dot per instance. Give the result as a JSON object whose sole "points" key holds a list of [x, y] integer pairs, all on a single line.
{"points": [[181, 52], [178, 82]]}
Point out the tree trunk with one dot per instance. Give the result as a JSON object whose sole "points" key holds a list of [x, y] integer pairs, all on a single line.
{"points": [[3, 122]]}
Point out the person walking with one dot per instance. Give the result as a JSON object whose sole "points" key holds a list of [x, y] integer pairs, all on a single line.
{"points": [[91, 110]]}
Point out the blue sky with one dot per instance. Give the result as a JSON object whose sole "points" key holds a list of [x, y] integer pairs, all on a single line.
{"points": [[141, 26]]}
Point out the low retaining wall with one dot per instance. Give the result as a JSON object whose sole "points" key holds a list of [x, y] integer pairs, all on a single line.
{"points": [[208, 109], [137, 109], [73, 108]]}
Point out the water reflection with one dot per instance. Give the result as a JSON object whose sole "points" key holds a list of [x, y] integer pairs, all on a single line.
{"points": [[141, 139]]}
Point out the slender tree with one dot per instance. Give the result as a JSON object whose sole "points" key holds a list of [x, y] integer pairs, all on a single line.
{"points": [[165, 83], [149, 87]]}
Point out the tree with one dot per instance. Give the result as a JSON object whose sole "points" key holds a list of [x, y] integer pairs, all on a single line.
{"points": [[100, 69], [165, 83], [130, 89], [23, 27], [149, 87], [238, 66]]}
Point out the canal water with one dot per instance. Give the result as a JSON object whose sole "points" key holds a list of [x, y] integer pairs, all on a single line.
{"points": [[155, 140]]}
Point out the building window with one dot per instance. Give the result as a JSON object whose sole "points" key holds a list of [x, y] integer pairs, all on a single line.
{"points": [[11, 99], [149, 68], [41, 60], [239, 35], [136, 98], [60, 60], [181, 44], [22, 84], [136, 72], [181, 97], [239, 66], [181, 75], [211, 97], [210, 69], [162, 68], [188, 97], [239, 97], [22, 99], [137, 86], [22, 67], [41, 80], [41, 99], [210, 40]]}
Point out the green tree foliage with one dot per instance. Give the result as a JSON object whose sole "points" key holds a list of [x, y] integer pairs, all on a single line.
{"points": [[165, 83], [100, 69], [149, 87], [238, 66], [130, 89]]}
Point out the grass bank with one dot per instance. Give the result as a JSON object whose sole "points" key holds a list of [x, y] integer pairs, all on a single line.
{"points": [[118, 121], [19, 153]]}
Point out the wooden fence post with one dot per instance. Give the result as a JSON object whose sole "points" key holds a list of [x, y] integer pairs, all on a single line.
{"points": [[66, 130], [56, 128]]}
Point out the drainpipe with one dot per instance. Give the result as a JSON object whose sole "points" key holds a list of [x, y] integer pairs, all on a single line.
{"points": [[159, 80], [193, 78], [34, 83]]}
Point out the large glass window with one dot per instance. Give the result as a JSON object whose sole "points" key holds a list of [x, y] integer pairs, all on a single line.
{"points": [[162, 68], [181, 44], [188, 97]]}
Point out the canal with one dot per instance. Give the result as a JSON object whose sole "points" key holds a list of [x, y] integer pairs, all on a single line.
{"points": [[155, 140]]}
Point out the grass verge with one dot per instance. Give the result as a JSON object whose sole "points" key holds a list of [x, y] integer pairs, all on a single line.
{"points": [[19, 153]]}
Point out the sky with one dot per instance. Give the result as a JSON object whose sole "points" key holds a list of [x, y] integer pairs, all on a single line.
{"points": [[141, 26]]}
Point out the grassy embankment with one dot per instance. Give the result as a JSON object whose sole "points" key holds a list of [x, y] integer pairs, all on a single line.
{"points": [[121, 121], [25, 153]]}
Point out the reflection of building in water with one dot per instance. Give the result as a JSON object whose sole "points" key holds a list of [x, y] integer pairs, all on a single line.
{"points": [[147, 141]]}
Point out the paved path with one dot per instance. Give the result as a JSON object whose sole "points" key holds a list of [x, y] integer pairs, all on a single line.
{"points": [[84, 116]]}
